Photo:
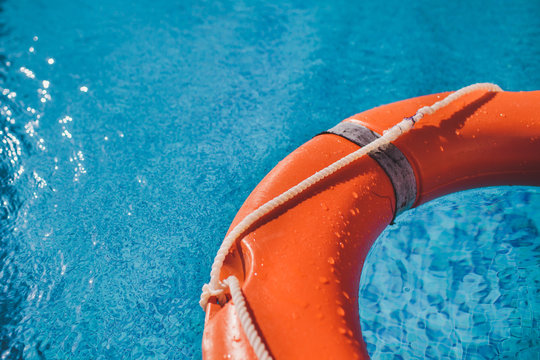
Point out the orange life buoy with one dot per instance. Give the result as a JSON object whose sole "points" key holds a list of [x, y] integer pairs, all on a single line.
{"points": [[299, 265]]}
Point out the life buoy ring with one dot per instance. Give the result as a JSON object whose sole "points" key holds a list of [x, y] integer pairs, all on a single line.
{"points": [[292, 266]]}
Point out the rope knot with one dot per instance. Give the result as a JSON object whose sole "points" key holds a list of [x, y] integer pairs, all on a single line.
{"points": [[209, 291]]}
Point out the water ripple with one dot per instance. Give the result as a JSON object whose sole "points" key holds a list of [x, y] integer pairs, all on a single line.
{"points": [[460, 279]]}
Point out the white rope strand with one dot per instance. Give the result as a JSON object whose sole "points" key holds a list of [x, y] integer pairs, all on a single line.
{"points": [[428, 110], [216, 288], [245, 320]]}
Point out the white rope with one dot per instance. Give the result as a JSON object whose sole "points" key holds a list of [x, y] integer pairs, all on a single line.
{"points": [[245, 320], [216, 288]]}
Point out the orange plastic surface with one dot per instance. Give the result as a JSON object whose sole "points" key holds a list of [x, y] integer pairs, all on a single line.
{"points": [[481, 139], [300, 266]]}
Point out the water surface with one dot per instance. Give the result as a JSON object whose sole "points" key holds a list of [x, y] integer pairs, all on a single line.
{"points": [[132, 131]]}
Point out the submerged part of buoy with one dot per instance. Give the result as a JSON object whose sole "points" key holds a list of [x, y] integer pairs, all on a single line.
{"points": [[285, 281]]}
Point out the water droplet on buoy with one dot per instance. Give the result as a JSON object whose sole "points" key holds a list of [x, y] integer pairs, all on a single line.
{"points": [[355, 195], [324, 280], [324, 206], [331, 260], [340, 311], [342, 331], [346, 295]]}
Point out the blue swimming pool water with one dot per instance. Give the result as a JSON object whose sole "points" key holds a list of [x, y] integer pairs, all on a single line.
{"points": [[132, 131]]}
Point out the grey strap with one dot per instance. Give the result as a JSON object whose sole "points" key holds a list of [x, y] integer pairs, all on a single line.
{"points": [[390, 158]]}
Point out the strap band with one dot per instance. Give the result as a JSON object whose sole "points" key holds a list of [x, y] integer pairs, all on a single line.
{"points": [[390, 159]]}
